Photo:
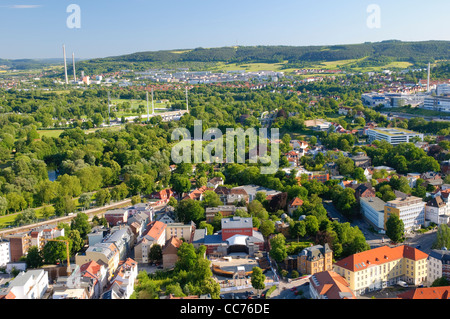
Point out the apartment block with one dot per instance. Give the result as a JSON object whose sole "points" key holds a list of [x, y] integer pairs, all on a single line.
{"points": [[410, 209]]}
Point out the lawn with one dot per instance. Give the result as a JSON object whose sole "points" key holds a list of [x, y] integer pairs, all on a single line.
{"points": [[50, 133], [252, 67]]}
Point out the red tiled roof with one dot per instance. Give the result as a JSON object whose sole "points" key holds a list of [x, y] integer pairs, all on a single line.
{"points": [[332, 285], [296, 202], [380, 255], [426, 293]]}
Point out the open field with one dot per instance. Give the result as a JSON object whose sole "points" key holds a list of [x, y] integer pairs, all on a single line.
{"points": [[50, 133], [252, 67]]}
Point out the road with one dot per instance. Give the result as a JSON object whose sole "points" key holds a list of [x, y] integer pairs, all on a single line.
{"points": [[425, 241], [89, 212]]}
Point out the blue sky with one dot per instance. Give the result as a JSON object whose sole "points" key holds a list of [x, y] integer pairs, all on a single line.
{"points": [[37, 29]]}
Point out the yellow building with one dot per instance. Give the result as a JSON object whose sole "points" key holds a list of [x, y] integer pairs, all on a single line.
{"points": [[382, 267], [105, 252]]}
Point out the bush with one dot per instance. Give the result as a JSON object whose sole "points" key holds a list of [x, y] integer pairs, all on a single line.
{"points": [[269, 292], [294, 274]]}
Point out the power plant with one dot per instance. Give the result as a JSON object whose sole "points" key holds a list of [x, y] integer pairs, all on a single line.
{"points": [[65, 64]]}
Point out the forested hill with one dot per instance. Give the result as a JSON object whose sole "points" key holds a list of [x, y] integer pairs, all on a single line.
{"points": [[416, 53]]}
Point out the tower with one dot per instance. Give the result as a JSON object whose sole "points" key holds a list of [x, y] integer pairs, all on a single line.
{"points": [[65, 64], [148, 112], [74, 72], [153, 104], [187, 101]]}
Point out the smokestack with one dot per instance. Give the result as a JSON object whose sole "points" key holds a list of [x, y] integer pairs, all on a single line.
{"points": [[74, 72], [187, 102], [148, 112], [65, 64], [428, 79], [153, 104]]}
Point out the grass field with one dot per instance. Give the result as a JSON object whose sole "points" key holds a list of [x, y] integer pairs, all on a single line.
{"points": [[252, 67], [50, 133]]}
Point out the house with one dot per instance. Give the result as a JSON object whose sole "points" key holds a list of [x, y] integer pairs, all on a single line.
{"points": [[98, 274], [107, 253], [19, 245], [385, 266], [122, 238], [4, 252], [214, 182], [32, 284], [97, 234], [436, 211], [162, 196], [438, 265], [180, 230], [362, 160], [329, 285], [169, 252], [116, 216], [294, 205], [125, 277], [225, 210], [315, 259], [363, 190], [154, 235], [251, 191]]}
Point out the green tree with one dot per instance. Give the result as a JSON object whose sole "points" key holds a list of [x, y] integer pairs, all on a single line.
{"points": [[34, 258], [64, 205], [395, 228], [297, 229], [81, 223], [190, 210], [54, 251], [211, 199], [278, 247], [76, 240], [442, 237], [155, 252], [267, 227], [258, 279]]}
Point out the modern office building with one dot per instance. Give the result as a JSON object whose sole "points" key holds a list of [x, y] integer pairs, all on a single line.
{"points": [[410, 209], [393, 135], [372, 208], [437, 103]]}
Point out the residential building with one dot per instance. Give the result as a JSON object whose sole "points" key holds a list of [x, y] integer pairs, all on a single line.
{"points": [[116, 216], [381, 267], [251, 190], [294, 205], [436, 211], [125, 277], [155, 234], [362, 160], [214, 182], [392, 135], [97, 234], [180, 230], [107, 253], [225, 210], [438, 265], [32, 284], [19, 245], [411, 210], [162, 196], [372, 209], [169, 252], [329, 285], [365, 190], [315, 259], [122, 238], [5, 256], [98, 273]]}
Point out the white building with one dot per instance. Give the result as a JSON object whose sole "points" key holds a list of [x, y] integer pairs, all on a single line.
{"points": [[437, 103], [436, 211], [372, 209], [392, 135], [411, 210], [443, 89], [5, 256], [30, 285], [438, 265]]}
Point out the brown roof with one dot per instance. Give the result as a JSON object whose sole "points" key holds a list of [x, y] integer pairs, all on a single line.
{"points": [[156, 230], [172, 245], [332, 285]]}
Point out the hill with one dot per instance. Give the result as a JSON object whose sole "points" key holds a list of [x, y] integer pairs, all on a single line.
{"points": [[365, 54]]}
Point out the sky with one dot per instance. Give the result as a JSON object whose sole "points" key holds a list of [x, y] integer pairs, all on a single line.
{"points": [[38, 29]]}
